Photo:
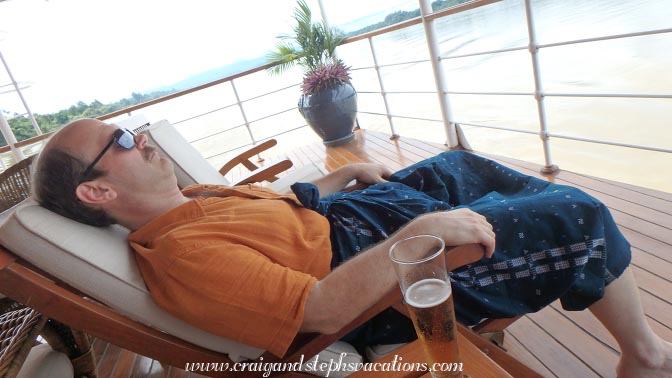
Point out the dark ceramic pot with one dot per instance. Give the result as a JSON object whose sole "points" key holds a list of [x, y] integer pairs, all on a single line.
{"points": [[331, 113]]}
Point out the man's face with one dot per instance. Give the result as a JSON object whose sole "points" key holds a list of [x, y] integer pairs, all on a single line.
{"points": [[129, 170]]}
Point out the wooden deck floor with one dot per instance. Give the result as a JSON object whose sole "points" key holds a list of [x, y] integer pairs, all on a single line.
{"points": [[553, 342]]}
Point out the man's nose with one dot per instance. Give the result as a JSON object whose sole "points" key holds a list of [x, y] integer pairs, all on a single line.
{"points": [[140, 141]]}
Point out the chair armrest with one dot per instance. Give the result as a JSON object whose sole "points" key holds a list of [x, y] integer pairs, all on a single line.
{"points": [[310, 344], [267, 173], [244, 157]]}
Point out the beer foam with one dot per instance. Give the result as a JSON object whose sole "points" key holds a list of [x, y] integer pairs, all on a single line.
{"points": [[427, 293]]}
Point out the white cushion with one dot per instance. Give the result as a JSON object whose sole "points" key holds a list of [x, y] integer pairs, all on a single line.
{"points": [[190, 166], [376, 352], [99, 262], [44, 362]]}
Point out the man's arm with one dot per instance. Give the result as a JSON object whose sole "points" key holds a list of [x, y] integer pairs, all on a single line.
{"points": [[359, 283], [365, 173]]}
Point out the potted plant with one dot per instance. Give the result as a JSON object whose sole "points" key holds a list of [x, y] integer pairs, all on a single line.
{"points": [[329, 101]]}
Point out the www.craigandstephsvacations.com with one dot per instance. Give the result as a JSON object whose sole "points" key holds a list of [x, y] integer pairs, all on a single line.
{"points": [[325, 367]]}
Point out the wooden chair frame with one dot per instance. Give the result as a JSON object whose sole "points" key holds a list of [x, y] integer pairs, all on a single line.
{"points": [[257, 173], [34, 288]]}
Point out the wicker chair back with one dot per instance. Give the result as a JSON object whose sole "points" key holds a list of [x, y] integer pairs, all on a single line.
{"points": [[15, 183]]}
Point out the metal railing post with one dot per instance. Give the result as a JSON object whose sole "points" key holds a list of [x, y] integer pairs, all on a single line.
{"points": [[10, 138], [23, 100], [382, 90], [539, 90], [242, 112], [323, 13], [439, 77]]}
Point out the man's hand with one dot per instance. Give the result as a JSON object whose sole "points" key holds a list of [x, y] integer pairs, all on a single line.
{"points": [[369, 173], [456, 227], [364, 173]]}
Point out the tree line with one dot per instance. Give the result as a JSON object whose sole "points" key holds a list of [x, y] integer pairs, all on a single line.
{"points": [[399, 16], [23, 127]]}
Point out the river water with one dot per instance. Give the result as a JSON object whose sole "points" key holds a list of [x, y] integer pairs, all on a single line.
{"points": [[639, 65]]}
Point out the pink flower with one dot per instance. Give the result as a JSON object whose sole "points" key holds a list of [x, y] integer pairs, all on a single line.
{"points": [[325, 76]]}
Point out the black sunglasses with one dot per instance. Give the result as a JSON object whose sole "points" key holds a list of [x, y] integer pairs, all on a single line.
{"points": [[124, 138]]}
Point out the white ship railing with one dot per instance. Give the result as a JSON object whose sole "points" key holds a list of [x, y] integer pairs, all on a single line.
{"points": [[443, 93]]}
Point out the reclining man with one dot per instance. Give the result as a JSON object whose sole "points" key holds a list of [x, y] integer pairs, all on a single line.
{"points": [[260, 267]]}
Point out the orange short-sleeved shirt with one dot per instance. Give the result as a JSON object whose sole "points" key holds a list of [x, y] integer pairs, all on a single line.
{"points": [[238, 262]]}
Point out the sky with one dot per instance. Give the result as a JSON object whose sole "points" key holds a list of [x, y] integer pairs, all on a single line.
{"points": [[70, 50]]}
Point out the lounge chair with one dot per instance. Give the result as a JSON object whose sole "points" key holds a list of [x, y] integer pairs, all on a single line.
{"points": [[86, 277]]}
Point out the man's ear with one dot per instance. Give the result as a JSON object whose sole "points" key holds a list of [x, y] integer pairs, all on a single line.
{"points": [[95, 192]]}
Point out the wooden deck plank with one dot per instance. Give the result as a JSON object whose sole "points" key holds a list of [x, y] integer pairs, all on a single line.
{"points": [[643, 226], [653, 284], [518, 351], [656, 308], [549, 351], [108, 362], [141, 367], [175, 373], [157, 370], [644, 242], [667, 196], [582, 345], [652, 264], [123, 365], [99, 347], [587, 323]]}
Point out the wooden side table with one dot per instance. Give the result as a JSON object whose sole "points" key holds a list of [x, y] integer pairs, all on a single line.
{"points": [[476, 364]]}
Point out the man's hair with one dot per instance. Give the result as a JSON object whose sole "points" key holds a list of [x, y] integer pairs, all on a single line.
{"points": [[55, 179]]}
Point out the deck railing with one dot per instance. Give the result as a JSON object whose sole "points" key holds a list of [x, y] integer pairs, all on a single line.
{"points": [[257, 125]]}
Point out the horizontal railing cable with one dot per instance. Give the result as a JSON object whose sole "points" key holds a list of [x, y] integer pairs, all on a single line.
{"points": [[270, 93], [237, 126], [605, 38], [397, 92], [490, 93], [273, 115], [402, 116], [484, 53], [611, 143], [395, 64], [504, 128], [204, 114], [260, 140], [612, 95], [217, 133]]}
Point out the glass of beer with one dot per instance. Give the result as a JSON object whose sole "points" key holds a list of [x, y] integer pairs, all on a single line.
{"points": [[421, 269]]}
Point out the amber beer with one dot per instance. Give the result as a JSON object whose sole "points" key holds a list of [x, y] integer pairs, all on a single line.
{"points": [[421, 269], [431, 307]]}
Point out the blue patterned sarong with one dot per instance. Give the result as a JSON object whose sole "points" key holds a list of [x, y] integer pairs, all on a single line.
{"points": [[553, 241]]}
